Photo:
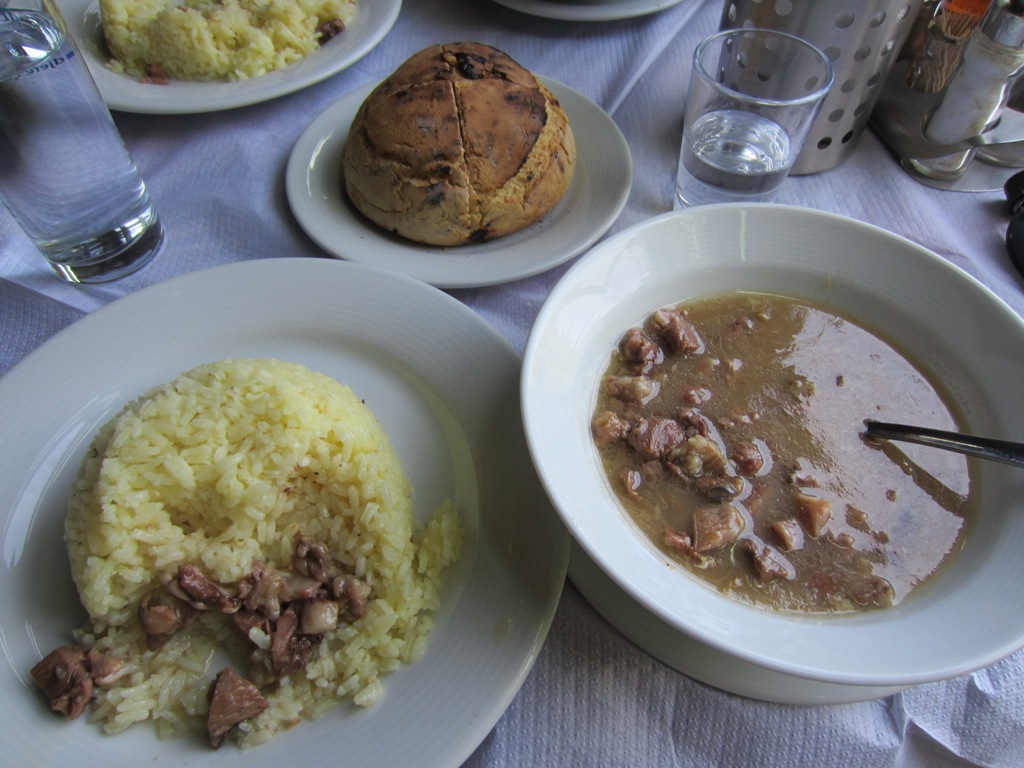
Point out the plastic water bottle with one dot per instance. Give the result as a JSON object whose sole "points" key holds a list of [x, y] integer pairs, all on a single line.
{"points": [[65, 174]]}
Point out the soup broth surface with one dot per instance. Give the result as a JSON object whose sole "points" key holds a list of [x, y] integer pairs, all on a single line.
{"points": [[731, 430]]}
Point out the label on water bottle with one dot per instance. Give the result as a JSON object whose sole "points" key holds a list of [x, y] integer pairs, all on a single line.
{"points": [[50, 63], [30, 42]]}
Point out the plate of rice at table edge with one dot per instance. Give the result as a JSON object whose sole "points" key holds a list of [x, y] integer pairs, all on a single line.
{"points": [[172, 57], [265, 511]]}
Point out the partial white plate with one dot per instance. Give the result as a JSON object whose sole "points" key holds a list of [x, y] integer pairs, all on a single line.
{"points": [[698, 660], [589, 10], [959, 332], [374, 19], [596, 197], [450, 410]]}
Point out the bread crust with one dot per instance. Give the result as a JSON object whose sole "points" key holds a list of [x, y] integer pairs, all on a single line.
{"points": [[459, 144]]}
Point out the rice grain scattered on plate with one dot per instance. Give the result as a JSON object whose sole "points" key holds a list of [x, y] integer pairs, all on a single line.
{"points": [[216, 39], [220, 468]]}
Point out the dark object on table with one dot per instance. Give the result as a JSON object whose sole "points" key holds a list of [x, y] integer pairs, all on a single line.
{"points": [[1014, 191]]}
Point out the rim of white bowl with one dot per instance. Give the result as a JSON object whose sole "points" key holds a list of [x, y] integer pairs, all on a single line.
{"points": [[778, 248]]}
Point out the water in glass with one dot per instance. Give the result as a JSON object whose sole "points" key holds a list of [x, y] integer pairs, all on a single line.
{"points": [[733, 155], [65, 174]]}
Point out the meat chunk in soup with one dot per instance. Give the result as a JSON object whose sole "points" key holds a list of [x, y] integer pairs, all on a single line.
{"points": [[631, 389], [789, 533], [678, 332], [639, 351], [815, 512], [654, 438], [768, 563], [717, 527]]}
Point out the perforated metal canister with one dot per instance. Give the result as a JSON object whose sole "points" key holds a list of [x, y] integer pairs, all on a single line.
{"points": [[862, 39]]}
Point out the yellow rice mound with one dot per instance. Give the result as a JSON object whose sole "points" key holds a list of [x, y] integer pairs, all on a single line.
{"points": [[215, 39], [223, 466]]}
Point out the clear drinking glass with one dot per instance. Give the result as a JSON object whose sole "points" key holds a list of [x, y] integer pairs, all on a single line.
{"points": [[753, 96], [65, 174]]}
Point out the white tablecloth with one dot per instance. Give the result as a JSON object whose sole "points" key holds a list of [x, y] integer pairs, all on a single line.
{"points": [[592, 698]]}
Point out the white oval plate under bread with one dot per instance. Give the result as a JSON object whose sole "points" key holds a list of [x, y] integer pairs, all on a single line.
{"points": [[597, 195]]}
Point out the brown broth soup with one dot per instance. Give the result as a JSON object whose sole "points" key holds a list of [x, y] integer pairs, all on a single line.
{"points": [[730, 429]]}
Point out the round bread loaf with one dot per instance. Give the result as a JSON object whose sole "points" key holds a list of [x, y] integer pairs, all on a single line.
{"points": [[460, 144]]}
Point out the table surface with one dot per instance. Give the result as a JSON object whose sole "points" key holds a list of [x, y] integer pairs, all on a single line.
{"points": [[592, 698]]}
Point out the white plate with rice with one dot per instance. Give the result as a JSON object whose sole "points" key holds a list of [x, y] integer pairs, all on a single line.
{"points": [[373, 20], [600, 187], [450, 411]]}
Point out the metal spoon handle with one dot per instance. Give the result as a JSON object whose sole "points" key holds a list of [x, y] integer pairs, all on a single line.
{"points": [[985, 447]]}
